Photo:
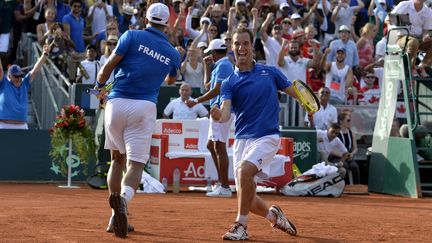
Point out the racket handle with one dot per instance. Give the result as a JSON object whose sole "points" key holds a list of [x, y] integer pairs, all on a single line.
{"points": [[92, 91]]}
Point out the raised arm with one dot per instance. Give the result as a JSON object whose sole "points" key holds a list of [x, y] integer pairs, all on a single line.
{"points": [[359, 6], [1, 71], [265, 26], [231, 16], [281, 55], [325, 66], [40, 62], [208, 62]]}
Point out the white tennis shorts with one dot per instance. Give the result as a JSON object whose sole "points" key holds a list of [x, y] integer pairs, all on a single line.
{"points": [[129, 126], [258, 151], [4, 125], [220, 131]]}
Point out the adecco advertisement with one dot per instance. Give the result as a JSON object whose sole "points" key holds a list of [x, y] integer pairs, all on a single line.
{"points": [[305, 146]]}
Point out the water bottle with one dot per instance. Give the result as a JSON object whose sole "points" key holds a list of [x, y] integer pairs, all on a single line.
{"points": [[165, 183], [176, 180], [208, 187]]}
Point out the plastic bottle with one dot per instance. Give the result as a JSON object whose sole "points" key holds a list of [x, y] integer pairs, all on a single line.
{"points": [[165, 183], [208, 187], [176, 180]]}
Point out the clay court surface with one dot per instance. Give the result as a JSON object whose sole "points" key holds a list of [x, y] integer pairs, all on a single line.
{"points": [[46, 213]]}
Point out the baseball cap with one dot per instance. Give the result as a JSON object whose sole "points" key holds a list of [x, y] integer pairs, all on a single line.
{"points": [[284, 5], [382, 1], [298, 33], [15, 70], [205, 19], [216, 44], [340, 49], [240, 1], [344, 28], [202, 44], [158, 13], [177, 1], [112, 38], [295, 16], [128, 10]]}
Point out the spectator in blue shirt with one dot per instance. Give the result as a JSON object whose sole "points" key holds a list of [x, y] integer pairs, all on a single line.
{"points": [[344, 41], [14, 88]]}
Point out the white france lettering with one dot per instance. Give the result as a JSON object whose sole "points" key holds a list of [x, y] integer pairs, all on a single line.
{"points": [[154, 54]]}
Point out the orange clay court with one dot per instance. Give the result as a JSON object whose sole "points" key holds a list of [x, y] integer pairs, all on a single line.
{"points": [[46, 213]]}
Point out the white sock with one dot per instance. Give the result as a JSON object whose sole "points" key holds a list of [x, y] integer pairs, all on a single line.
{"points": [[128, 193], [242, 219], [271, 217], [112, 212]]}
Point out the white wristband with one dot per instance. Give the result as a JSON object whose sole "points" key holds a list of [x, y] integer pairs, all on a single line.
{"points": [[195, 100]]}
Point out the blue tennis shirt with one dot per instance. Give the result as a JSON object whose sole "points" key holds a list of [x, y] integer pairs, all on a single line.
{"points": [[221, 70], [254, 99], [148, 58], [13, 100]]}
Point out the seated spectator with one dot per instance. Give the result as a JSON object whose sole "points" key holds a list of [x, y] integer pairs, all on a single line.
{"points": [[419, 38], [14, 89], [98, 15], [348, 138], [87, 71], [365, 45], [326, 115], [180, 110], [422, 137], [329, 144]]}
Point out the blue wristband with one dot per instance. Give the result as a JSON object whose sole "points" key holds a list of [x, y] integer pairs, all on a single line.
{"points": [[99, 85]]}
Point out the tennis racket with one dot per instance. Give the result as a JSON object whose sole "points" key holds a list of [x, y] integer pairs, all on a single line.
{"points": [[306, 96], [96, 91]]}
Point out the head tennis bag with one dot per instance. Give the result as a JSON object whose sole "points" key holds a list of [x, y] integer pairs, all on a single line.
{"points": [[311, 185]]}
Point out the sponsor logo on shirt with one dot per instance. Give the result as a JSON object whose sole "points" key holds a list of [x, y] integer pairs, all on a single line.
{"points": [[172, 128], [191, 143], [264, 73]]}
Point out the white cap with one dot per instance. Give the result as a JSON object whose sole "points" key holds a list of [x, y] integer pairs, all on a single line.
{"points": [[158, 13], [202, 44], [283, 5], [240, 1], [128, 10], [203, 19], [216, 44], [295, 16], [344, 28], [382, 1]]}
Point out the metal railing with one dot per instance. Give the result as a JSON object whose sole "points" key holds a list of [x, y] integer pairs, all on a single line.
{"points": [[50, 90]]}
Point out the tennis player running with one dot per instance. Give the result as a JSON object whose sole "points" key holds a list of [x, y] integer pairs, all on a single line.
{"points": [[252, 91], [143, 60]]}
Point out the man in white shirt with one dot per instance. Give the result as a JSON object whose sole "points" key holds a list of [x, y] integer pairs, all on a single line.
{"points": [[293, 65], [88, 69], [326, 115], [420, 17], [329, 144], [272, 44], [98, 14], [180, 110]]}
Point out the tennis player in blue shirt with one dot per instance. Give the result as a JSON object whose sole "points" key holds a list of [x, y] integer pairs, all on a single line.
{"points": [[143, 60], [252, 92]]}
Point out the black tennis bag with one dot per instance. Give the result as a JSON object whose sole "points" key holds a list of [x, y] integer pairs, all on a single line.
{"points": [[99, 179]]}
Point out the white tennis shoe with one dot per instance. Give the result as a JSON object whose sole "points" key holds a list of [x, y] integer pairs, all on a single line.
{"points": [[282, 222], [237, 232], [220, 192]]}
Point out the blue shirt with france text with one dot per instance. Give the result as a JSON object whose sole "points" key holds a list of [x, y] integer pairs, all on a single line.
{"points": [[148, 58]]}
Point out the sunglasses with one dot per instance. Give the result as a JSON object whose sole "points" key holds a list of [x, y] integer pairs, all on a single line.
{"points": [[17, 76], [324, 92], [348, 120], [76, 6], [370, 77], [112, 43], [286, 22]]}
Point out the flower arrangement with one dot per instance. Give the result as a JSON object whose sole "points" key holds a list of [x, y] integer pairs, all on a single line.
{"points": [[71, 124]]}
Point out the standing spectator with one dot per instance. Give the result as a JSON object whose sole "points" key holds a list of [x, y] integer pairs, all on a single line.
{"points": [[110, 44], [43, 30], [60, 46], [285, 10], [73, 25], [339, 77], [192, 69], [344, 13], [326, 115], [14, 89], [6, 20], [272, 44], [130, 112], [365, 45], [351, 52], [179, 109], [293, 65], [89, 68], [328, 26], [98, 15]]}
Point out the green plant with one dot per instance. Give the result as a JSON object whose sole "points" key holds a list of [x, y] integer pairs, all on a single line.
{"points": [[71, 124]]}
